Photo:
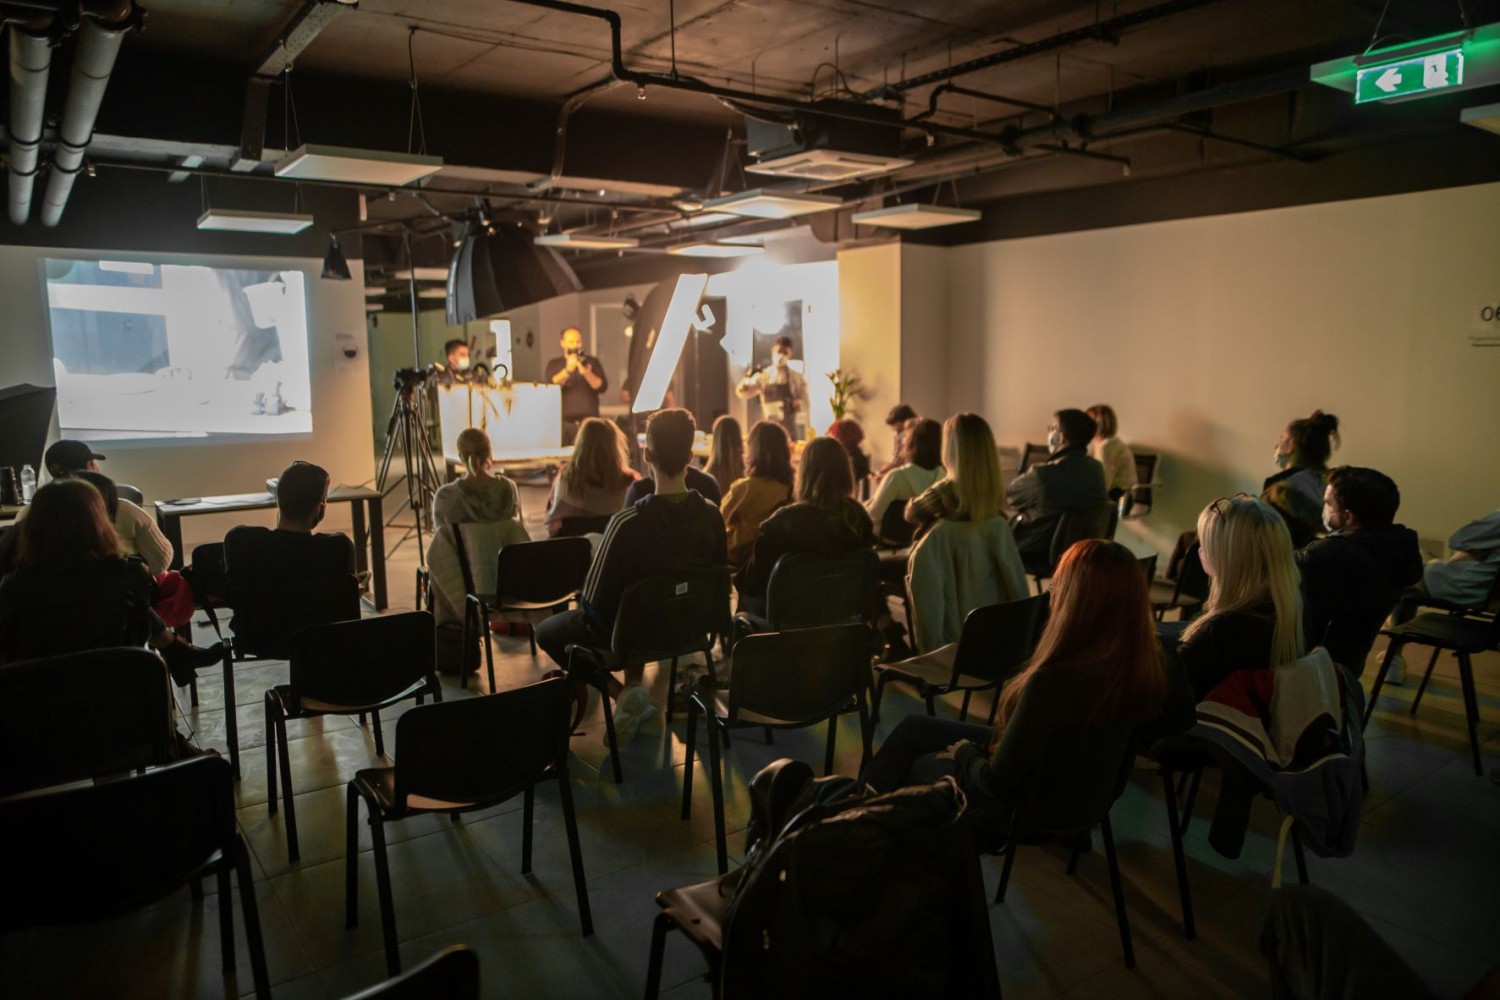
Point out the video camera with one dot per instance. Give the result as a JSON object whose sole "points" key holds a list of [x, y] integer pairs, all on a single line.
{"points": [[407, 379]]}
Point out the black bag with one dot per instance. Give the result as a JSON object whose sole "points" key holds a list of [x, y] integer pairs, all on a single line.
{"points": [[450, 656], [863, 896]]}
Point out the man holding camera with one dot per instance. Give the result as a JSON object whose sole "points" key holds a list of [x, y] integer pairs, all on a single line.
{"points": [[582, 379], [781, 388]]}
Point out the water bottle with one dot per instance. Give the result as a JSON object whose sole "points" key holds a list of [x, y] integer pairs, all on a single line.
{"points": [[28, 483]]}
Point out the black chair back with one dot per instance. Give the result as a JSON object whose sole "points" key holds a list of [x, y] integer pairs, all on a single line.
{"points": [[207, 577], [1148, 567], [483, 749], [672, 615], [996, 641], [83, 715], [543, 573], [1095, 521], [273, 603], [452, 974], [572, 527], [803, 675], [90, 852], [808, 589], [1035, 454], [896, 532], [130, 493], [1192, 580], [1080, 775], [1145, 467], [362, 662]]}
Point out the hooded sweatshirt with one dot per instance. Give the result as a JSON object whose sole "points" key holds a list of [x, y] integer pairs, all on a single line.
{"points": [[659, 535], [1350, 582]]}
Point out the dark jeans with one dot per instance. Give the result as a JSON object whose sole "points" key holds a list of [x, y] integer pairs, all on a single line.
{"points": [[556, 633], [909, 755]]}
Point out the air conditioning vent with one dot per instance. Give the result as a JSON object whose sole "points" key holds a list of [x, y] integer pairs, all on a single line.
{"points": [[828, 165]]}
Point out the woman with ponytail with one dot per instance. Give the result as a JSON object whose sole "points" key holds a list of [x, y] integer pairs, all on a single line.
{"points": [[1296, 491], [480, 495]]}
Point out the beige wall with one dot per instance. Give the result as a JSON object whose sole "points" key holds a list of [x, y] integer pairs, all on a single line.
{"points": [[870, 342], [925, 325], [340, 441], [1208, 335]]}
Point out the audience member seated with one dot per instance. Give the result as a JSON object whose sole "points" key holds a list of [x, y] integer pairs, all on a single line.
{"points": [[698, 481], [1297, 490], [289, 577], [1112, 453], [920, 466], [899, 421], [1252, 619], [173, 598], [726, 454], [73, 589], [137, 530], [594, 481], [1097, 673], [968, 557], [766, 486], [672, 530], [1069, 480], [488, 507], [849, 434], [825, 519], [1353, 578], [1469, 573]]}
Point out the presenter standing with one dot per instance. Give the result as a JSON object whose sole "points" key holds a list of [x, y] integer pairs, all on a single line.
{"points": [[781, 388], [582, 379]]}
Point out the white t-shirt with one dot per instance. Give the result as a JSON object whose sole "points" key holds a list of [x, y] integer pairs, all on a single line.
{"points": [[900, 485]]}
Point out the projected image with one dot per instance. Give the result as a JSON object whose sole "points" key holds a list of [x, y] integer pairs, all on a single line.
{"points": [[167, 350]]}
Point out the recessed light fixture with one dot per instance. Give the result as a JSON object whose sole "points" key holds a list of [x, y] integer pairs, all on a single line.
{"points": [[760, 203], [237, 221], [582, 241], [356, 166], [424, 274], [916, 216], [715, 250]]}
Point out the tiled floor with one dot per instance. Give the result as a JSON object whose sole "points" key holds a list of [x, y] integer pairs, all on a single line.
{"points": [[1424, 873]]}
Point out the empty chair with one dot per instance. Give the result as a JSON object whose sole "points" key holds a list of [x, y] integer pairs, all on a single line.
{"points": [[782, 680], [1035, 454], [347, 668], [895, 531], [1187, 591], [808, 589], [461, 756], [452, 974], [83, 715], [1095, 521], [663, 618], [529, 576], [1141, 496], [996, 642], [85, 853]]}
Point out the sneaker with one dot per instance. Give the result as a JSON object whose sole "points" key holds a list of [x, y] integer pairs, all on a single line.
{"points": [[633, 708]]}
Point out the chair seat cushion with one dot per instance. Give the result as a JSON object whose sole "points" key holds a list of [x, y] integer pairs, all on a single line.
{"points": [[700, 909], [379, 784], [1449, 631], [927, 670], [746, 717], [316, 706]]}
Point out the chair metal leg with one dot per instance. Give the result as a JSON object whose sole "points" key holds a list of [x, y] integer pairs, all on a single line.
{"points": [[193, 692], [671, 688], [687, 764], [1119, 891], [250, 914], [927, 697], [833, 734], [866, 733], [1010, 860], [659, 928], [1192, 800], [1298, 853], [463, 667], [1179, 858], [877, 697], [963, 710], [351, 858], [994, 707], [716, 782], [770, 737], [609, 727], [1426, 676], [1073, 853], [383, 884], [195, 886], [379, 736], [226, 919], [1471, 708], [270, 755], [1385, 666], [487, 638], [231, 721], [528, 812], [284, 755], [575, 851]]}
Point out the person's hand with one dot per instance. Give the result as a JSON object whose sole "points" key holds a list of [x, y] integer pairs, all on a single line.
{"points": [[572, 362], [952, 752]]}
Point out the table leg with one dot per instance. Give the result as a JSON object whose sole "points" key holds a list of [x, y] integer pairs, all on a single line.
{"points": [[361, 557], [171, 526], [377, 552]]}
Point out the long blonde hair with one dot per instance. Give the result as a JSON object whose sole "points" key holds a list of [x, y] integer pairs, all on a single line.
{"points": [[973, 467], [600, 457], [1248, 546], [726, 452]]}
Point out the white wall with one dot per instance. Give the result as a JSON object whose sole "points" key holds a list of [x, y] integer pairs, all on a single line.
{"points": [[340, 395], [1208, 335], [870, 336], [925, 325]]}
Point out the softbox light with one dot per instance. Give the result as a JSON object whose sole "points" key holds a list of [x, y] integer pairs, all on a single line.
{"points": [[491, 274], [25, 416]]}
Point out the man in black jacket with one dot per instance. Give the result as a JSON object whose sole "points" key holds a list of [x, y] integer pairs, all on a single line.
{"points": [[1070, 480], [1352, 578], [671, 530]]}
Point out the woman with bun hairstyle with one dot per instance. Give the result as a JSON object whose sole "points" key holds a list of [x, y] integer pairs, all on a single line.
{"points": [[1296, 491]]}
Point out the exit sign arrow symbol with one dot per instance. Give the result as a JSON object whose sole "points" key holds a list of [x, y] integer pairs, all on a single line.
{"points": [[1389, 80]]}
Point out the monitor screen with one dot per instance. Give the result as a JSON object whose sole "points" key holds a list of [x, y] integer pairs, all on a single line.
{"points": [[178, 351]]}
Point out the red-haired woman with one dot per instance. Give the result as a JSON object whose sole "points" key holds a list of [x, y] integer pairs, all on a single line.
{"points": [[1097, 673]]}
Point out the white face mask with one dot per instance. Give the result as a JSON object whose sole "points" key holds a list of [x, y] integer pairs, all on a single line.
{"points": [[462, 364], [1282, 458], [1054, 441]]}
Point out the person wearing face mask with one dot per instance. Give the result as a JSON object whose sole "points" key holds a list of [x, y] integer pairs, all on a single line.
{"points": [[1069, 480], [782, 389], [457, 365], [1296, 491], [1352, 578]]}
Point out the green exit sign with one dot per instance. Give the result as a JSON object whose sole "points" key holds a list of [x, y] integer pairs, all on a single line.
{"points": [[1418, 76]]}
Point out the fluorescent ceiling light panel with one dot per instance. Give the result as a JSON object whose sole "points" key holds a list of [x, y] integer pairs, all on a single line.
{"points": [[236, 221], [433, 293], [762, 204], [916, 216], [671, 338], [715, 250], [127, 267], [582, 241], [424, 274], [704, 219], [374, 307], [371, 291], [1486, 117], [356, 166]]}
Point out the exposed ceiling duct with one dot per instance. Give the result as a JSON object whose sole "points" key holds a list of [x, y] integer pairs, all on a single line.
{"points": [[30, 65]]}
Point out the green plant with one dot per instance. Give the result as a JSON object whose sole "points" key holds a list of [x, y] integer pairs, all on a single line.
{"points": [[847, 390]]}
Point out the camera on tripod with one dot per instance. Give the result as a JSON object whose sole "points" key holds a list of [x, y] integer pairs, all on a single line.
{"points": [[407, 379]]}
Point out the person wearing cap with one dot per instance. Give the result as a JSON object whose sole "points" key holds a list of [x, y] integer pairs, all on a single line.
{"points": [[139, 535]]}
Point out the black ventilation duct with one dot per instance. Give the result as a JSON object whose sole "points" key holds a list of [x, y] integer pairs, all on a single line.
{"points": [[490, 274]]}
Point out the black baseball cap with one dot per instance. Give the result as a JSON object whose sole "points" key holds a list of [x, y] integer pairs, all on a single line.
{"points": [[69, 456]]}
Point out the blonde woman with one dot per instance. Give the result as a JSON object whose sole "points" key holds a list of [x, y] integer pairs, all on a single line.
{"points": [[593, 483], [726, 453], [1252, 619], [1112, 453], [479, 495], [971, 489]]}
